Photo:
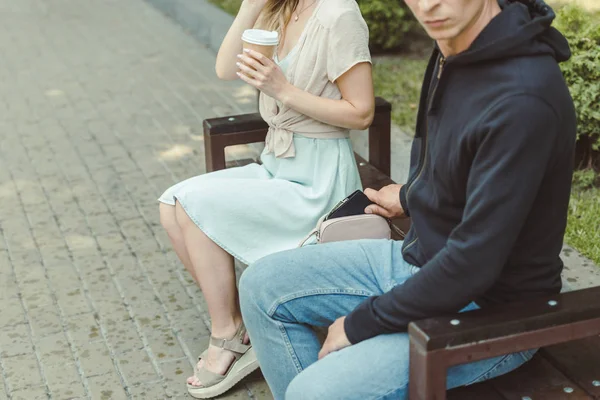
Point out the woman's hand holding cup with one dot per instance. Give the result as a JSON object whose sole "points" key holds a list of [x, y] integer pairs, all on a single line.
{"points": [[260, 71], [256, 64]]}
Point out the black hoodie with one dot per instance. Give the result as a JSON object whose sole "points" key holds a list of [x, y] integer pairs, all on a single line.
{"points": [[490, 176]]}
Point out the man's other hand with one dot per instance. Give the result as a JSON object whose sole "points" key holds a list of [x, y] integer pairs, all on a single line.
{"points": [[336, 338]]}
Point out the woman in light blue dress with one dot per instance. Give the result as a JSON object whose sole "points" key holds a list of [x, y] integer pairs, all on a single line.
{"points": [[312, 93]]}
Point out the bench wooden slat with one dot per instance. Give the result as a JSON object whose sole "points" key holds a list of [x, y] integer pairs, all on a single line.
{"points": [[573, 364], [538, 379], [580, 361], [479, 391]]}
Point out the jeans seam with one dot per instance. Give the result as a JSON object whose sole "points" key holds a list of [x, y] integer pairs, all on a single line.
{"points": [[293, 296], [485, 375], [289, 347], [386, 394]]}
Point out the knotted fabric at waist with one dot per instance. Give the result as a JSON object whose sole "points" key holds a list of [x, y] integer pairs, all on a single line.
{"points": [[280, 141]]}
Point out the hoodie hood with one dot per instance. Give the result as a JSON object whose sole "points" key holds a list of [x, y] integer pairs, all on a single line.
{"points": [[523, 28]]}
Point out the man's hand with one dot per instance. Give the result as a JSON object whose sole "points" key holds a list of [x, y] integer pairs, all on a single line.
{"points": [[387, 202], [336, 338]]}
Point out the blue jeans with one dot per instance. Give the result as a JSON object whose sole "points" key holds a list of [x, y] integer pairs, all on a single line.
{"points": [[284, 294]]}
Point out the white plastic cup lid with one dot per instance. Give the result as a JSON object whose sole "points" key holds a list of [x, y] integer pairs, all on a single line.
{"points": [[261, 37]]}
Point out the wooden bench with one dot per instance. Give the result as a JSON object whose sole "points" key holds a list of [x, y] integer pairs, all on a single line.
{"points": [[565, 326]]}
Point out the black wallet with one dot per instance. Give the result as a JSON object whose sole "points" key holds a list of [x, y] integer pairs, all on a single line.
{"points": [[354, 204]]}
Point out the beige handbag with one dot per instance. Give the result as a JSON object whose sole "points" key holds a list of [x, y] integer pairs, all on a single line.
{"points": [[362, 226]]}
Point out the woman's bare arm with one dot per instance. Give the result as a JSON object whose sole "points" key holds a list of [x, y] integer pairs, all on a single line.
{"points": [[232, 44], [354, 111]]}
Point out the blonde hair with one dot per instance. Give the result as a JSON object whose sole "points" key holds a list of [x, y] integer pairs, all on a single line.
{"points": [[277, 14]]}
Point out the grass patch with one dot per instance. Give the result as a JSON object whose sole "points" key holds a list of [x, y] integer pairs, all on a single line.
{"points": [[583, 228], [230, 6], [398, 80]]}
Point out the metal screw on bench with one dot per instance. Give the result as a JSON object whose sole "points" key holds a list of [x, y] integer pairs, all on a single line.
{"points": [[568, 390], [455, 322], [552, 303], [230, 119], [596, 383], [362, 164]]}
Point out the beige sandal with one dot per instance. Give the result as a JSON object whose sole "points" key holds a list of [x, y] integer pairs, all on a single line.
{"points": [[214, 384]]}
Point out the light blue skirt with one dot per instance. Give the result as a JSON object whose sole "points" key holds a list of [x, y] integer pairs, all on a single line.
{"points": [[260, 209]]}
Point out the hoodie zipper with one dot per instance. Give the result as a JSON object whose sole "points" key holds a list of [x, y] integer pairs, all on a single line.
{"points": [[423, 157], [440, 69]]}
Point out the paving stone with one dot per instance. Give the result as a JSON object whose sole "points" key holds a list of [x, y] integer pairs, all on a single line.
{"points": [[106, 387], [73, 390], [83, 329], [122, 336], [148, 391], [55, 255], [176, 373], [73, 302], [54, 350], [258, 386], [102, 224], [164, 344], [61, 375], [188, 323], [31, 393], [11, 312], [15, 340], [113, 245], [63, 277], [238, 392], [36, 293], [95, 359], [24, 259], [136, 367], [174, 298], [21, 370], [45, 320]]}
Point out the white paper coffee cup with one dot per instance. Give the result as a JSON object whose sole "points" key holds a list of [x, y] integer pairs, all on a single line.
{"points": [[261, 41]]}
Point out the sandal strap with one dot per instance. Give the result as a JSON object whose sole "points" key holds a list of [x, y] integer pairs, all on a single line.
{"points": [[208, 378], [238, 348], [235, 345]]}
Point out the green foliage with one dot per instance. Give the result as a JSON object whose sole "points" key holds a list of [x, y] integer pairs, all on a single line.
{"points": [[583, 228], [584, 179], [398, 80], [582, 73], [389, 23], [230, 6]]}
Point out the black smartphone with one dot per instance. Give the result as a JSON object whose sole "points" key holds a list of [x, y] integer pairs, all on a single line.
{"points": [[354, 204]]}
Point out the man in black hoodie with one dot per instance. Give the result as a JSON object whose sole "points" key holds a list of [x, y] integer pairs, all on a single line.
{"points": [[488, 191]]}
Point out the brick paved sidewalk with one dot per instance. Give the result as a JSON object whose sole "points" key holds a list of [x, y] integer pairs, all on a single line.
{"points": [[102, 103]]}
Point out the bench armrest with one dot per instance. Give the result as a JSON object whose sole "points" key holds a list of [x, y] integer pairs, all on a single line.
{"points": [[251, 128], [438, 343]]}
